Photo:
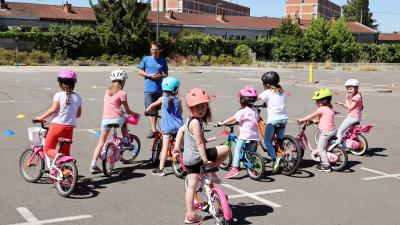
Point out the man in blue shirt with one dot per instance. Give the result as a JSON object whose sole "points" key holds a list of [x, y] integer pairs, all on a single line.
{"points": [[153, 68]]}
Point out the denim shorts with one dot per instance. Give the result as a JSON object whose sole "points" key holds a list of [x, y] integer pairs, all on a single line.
{"points": [[120, 121], [150, 97]]}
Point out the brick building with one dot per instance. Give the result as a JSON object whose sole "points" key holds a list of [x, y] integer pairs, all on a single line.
{"points": [[201, 6], [308, 9]]}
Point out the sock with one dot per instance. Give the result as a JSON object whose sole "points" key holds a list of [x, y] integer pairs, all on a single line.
{"points": [[93, 163], [125, 140]]}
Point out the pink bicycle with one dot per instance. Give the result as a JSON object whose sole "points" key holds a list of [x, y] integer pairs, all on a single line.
{"points": [[337, 156], [353, 139], [62, 170], [114, 150], [212, 199]]}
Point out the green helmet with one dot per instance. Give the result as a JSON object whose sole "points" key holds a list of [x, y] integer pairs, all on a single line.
{"points": [[321, 93]]}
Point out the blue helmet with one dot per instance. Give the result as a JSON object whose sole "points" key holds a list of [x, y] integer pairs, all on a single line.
{"points": [[170, 84]]}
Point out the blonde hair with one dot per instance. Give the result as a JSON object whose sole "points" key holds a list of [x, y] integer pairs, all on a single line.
{"points": [[115, 86], [68, 88]]}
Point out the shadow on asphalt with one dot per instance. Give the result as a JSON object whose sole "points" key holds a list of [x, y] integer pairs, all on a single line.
{"points": [[375, 152], [302, 174], [242, 211], [88, 187]]}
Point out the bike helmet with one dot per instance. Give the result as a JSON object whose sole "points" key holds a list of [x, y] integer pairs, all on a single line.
{"points": [[270, 77], [352, 82], [67, 75], [170, 84], [196, 96], [321, 93], [248, 94], [118, 74]]}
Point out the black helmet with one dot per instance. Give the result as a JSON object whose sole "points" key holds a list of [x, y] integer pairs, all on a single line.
{"points": [[270, 77]]}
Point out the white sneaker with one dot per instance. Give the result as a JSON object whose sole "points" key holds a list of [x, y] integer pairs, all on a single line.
{"points": [[95, 169]]}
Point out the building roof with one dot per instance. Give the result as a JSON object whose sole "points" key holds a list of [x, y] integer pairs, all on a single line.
{"points": [[389, 37], [50, 12], [356, 27], [211, 20]]}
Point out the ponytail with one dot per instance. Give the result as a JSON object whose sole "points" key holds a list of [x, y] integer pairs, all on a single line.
{"points": [[68, 88]]}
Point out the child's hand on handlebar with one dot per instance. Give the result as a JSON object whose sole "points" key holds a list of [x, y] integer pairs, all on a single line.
{"points": [[208, 164], [219, 124]]}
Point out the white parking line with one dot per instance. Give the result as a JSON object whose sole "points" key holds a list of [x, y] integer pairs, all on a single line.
{"points": [[384, 175], [252, 195], [32, 220], [93, 131], [257, 193], [13, 101]]}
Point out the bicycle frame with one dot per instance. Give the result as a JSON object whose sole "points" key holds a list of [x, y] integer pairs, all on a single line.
{"points": [[117, 143]]}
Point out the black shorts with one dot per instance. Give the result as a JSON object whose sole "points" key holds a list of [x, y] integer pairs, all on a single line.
{"points": [[212, 155]]}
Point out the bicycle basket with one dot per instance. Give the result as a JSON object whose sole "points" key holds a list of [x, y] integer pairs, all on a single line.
{"points": [[36, 134]]}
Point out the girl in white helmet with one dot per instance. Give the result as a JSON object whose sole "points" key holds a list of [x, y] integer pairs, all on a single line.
{"points": [[354, 105], [114, 98]]}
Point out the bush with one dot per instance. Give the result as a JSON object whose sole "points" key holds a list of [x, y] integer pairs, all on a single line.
{"points": [[39, 57]]}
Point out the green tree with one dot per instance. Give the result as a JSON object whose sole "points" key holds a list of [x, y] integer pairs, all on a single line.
{"points": [[342, 46], [358, 11], [122, 26], [315, 39]]}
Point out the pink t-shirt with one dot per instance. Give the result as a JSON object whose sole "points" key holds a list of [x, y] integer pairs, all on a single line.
{"points": [[248, 126], [356, 112], [112, 105], [326, 118]]}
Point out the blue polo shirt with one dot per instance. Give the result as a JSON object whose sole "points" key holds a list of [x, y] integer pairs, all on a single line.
{"points": [[151, 65]]}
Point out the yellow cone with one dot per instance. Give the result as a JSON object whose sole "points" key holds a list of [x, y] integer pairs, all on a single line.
{"points": [[21, 116]]}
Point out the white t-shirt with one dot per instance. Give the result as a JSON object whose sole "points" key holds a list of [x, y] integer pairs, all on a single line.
{"points": [[67, 113], [275, 105]]}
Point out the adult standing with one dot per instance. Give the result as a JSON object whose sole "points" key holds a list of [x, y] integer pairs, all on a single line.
{"points": [[153, 68]]}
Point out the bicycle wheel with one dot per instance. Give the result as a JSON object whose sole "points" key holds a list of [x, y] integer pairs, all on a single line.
{"points": [[66, 186], [177, 167], [363, 145], [226, 164], [108, 161], [218, 213], [258, 165], [128, 155], [343, 159], [316, 136], [262, 144], [155, 152], [293, 155], [33, 172]]}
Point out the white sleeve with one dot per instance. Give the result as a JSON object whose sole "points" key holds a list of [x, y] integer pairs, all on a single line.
{"points": [[264, 96], [57, 97]]}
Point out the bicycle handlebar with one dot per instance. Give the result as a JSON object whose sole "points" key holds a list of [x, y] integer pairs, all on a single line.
{"points": [[42, 123], [260, 106], [227, 125], [152, 114]]}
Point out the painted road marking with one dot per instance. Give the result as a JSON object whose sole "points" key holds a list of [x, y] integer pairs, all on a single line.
{"points": [[93, 131], [384, 175], [32, 220], [13, 101], [253, 195], [257, 193]]}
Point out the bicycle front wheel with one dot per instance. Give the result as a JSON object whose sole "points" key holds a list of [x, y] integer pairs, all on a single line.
{"points": [[293, 155], [219, 208], [69, 175], [226, 164], [177, 167], [108, 161], [129, 155], [34, 171], [258, 165], [155, 152]]}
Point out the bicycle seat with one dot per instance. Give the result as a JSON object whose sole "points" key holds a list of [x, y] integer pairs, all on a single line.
{"points": [[280, 126], [113, 125], [204, 169], [64, 140], [355, 124]]}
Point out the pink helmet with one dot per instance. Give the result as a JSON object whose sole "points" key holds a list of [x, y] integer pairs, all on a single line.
{"points": [[196, 96], [67, 75], [248, 91]]}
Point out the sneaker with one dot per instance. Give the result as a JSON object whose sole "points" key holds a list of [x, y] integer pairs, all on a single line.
{"points": [[158, 172], [151, 134], [95, 169], [275, 165], [233, 173], [323, 168]]}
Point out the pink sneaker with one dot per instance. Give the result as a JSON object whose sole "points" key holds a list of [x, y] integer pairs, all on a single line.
{"points": [[233, 173]]}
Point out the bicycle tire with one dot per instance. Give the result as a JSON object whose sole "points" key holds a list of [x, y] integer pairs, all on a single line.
{"points": [[293, 156], [129, 155], [155, 152], [226, 164], [177, 168], [343, 159], [219, 211], [66, 186], [262, 144], [108, 161], [363, 146], [258, 163], [316, 136], [22, 166]]}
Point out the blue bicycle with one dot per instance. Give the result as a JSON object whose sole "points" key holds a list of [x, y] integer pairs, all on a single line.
{"points": [[252, 161]]}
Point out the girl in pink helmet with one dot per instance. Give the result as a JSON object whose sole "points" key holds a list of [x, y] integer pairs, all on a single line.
{"points": [[195, 153], [65, 109], [248, 118]]}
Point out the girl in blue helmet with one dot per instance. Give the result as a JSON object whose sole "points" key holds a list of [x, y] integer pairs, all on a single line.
{"points": [[171, 117]]}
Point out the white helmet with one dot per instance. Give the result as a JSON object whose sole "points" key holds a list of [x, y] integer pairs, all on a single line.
{"points": [[352, 82], [118, 75]]}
